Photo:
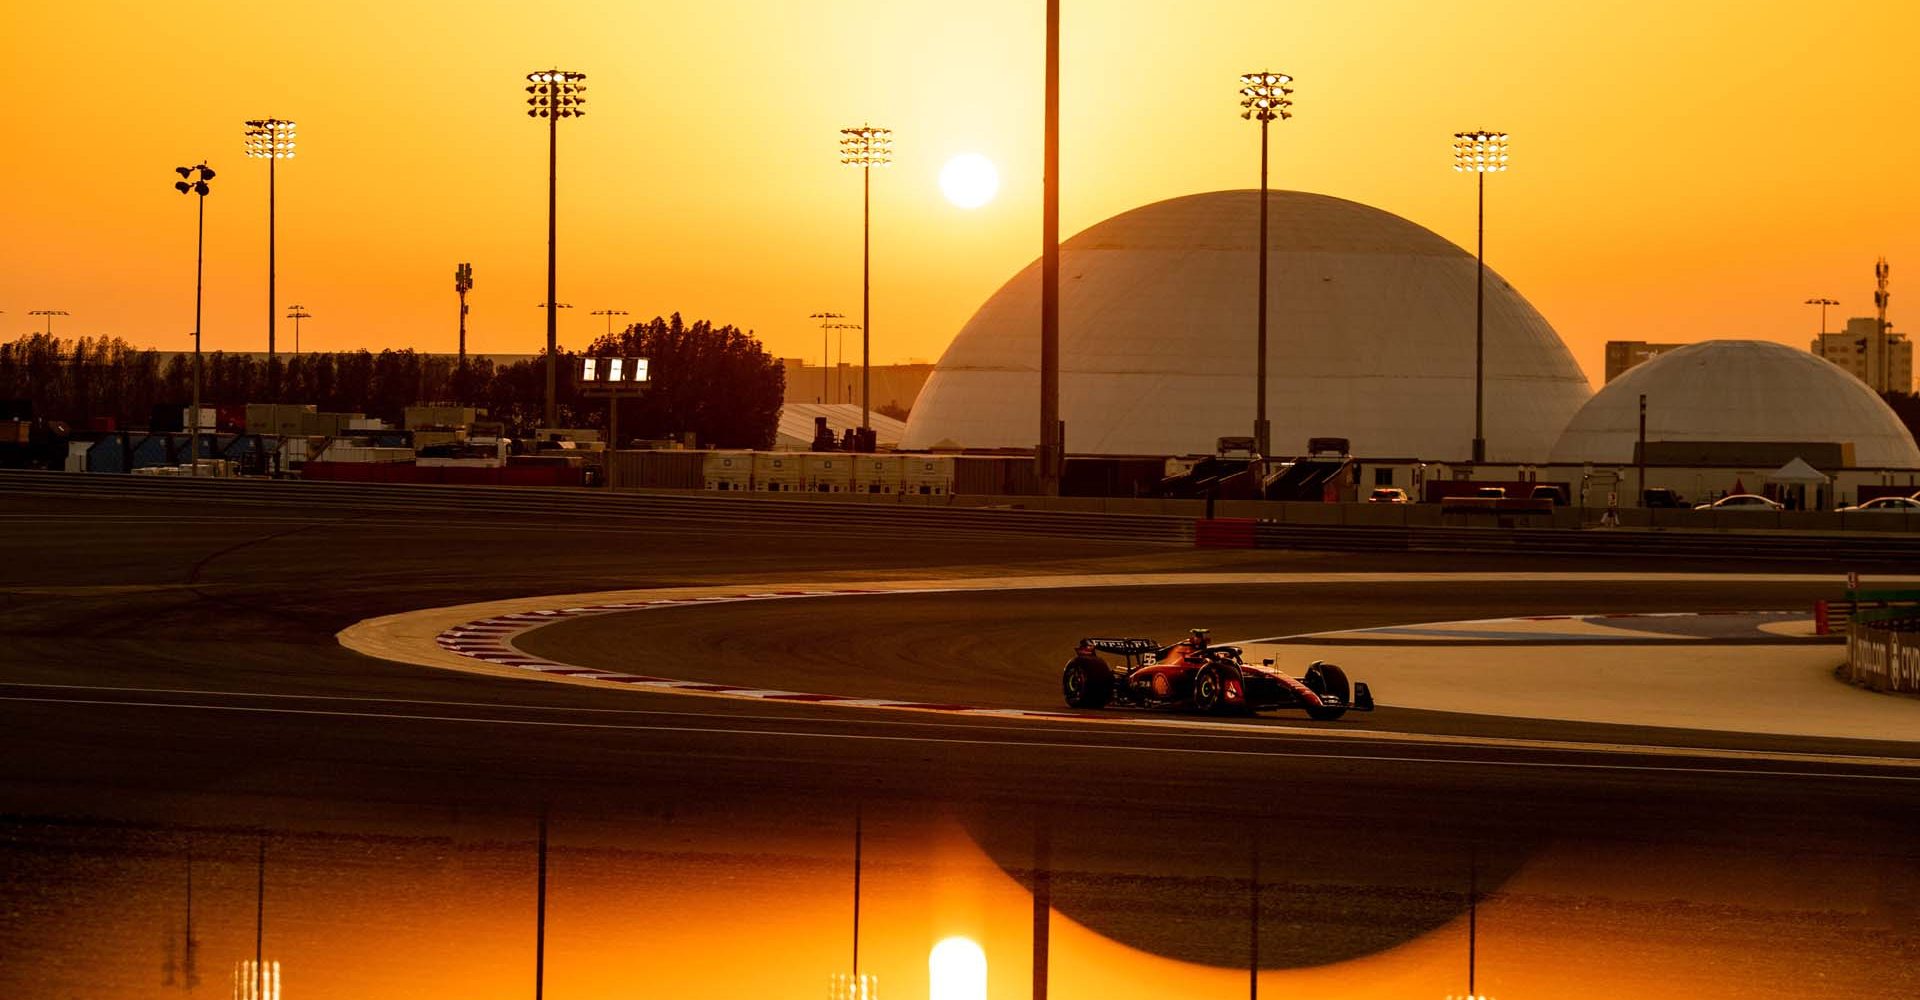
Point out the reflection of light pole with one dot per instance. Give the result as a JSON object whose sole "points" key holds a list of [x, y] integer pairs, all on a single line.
{"points": [[194, 180], [866, 147], [49, 314], [609, 314], [555, 94], [1823, 303], [854, 986], [297, 313], [1480, 153], [826, 364], [270, 139], [1263, 95]]}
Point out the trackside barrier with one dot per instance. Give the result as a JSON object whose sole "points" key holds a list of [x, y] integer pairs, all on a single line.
{"points": [[1224, 532], [548, 505], [1829, 616], [1883, 650]]}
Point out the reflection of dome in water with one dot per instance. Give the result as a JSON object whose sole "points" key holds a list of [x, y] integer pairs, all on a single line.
{"points": [[1370, 337], [1173, 881], [1738, 390]]}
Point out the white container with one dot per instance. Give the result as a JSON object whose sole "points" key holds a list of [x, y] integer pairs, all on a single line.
{"points": [[777, 472], [927, 475], [827, 472], [878, 474], [728, 470]]}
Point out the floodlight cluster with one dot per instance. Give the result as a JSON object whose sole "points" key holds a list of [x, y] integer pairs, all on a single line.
{"points": [[866, 146], [1479, 152], [193, 179], [555, 93], [1264, 96], [270, 139]]}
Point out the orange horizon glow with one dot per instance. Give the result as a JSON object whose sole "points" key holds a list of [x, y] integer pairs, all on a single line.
{"points": [[1679, 172]]}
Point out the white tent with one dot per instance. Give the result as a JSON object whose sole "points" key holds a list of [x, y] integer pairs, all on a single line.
{"points": [[1798, 472], [796, 425]]}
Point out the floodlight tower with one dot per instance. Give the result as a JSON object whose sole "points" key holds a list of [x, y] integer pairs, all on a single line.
{"points": [[553, 94], [1480, 153], [609, 314], [49, 314], [866, 147], [826, 361], [1823, 303], [193, 180], [270, 139], [1263, 98], [297, 313]]}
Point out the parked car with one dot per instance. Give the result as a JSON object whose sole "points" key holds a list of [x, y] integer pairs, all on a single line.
{"points": [[1885, 505], [1549, 492], [1491, 492], [1665, 498], [1741, 501], [1388, 494]]}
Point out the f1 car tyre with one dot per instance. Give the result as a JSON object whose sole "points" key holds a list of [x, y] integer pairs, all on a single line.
{"points": [[1209, 690], [1086, 683], [1327, 679]]}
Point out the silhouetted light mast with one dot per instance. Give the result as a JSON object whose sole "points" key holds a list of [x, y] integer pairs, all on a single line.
{"points": [[554, 94], [609, 314], [193, 180], [866, 147], [1823, 303], [272, 140], [297, 313], [1047, 452], [1480, 153], [1263, 98], [49, 314]]}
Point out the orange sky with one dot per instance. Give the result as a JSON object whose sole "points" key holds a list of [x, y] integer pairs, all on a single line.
{"points": [[1682, 170]]}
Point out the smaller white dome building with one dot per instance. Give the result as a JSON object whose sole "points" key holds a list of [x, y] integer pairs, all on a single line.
{"points": [[1738, 390]]}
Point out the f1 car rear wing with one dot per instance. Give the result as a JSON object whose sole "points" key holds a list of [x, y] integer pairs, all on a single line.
{"points": [[1124, 647]]}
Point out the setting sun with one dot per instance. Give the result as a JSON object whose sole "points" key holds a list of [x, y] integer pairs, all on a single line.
{"points": [[969, 180]]}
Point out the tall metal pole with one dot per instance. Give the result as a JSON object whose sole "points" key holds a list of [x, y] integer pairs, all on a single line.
{"points": [[1047, 453], [1640, 454], [553, 314], [272, 250], [199, 269], [1260, 433], [866, 282], [1479, 322]]}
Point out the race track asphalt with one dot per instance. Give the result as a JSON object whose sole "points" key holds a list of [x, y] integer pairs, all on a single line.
{"points": [[166, 669]]}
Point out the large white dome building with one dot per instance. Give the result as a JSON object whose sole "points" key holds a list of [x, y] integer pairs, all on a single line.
{"points": [[1739, 390], [1370, 333]]}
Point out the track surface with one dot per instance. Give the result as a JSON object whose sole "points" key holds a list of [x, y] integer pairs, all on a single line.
{"points": [[172, 669]]}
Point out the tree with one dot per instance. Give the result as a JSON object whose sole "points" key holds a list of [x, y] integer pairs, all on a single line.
{"points": [[717, 383]]}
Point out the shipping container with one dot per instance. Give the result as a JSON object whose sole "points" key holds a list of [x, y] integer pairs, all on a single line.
{"points": [[878, 474], [776, 472], [827, 472], [728, 470], [927, 475]]}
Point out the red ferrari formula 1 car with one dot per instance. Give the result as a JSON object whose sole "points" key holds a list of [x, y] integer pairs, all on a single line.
{"points": [[1197, 675]]}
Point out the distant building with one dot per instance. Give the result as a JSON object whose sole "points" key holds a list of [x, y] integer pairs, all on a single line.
{"points": [[1624, 354], [1848, 349], [894, 386]]}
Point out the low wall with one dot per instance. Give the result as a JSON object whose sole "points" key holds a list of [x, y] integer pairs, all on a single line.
{"points": [[1881, 658]]}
